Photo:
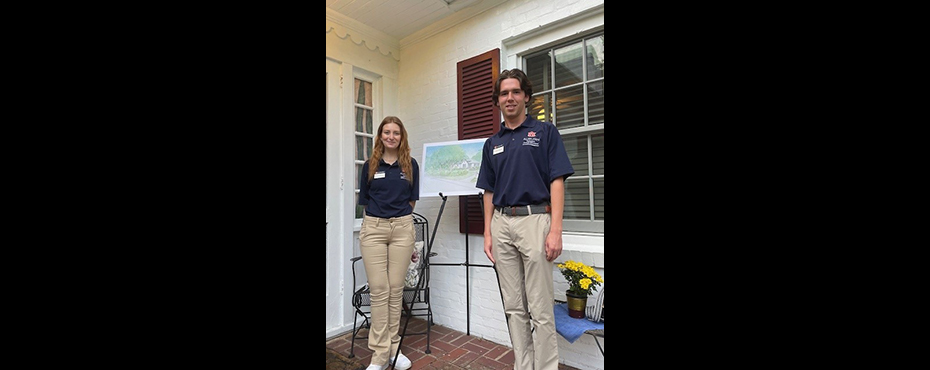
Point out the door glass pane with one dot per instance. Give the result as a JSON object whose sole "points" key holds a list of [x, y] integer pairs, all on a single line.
{"points": [[598, 153], [358, 177], [596, 103], [568, 67], [539, 71], [595, 55], [368, 127], [576, 199], [363, 125], [577, 148], [362, 148], [363, 120], [363, 92], [540, 108], [569, 107]]}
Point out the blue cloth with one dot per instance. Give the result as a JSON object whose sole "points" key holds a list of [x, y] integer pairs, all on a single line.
{"points": [[571, 328]]}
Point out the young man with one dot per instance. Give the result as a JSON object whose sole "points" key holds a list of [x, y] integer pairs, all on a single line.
{"points": [[523, 169]]}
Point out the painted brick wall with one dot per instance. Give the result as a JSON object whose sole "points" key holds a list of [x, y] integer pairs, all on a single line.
{"points": [[427, 104]]}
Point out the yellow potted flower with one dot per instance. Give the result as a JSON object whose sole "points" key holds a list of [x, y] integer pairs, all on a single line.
{"points": [[582, 282]]}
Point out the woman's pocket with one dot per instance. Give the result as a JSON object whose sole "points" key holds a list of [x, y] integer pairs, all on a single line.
{"points": [[362, 231]]}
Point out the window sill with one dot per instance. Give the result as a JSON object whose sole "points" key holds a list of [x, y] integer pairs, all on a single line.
{"points": [[583, 247]]}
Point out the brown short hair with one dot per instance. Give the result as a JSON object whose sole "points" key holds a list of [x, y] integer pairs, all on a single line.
{"points": [[525, 83]]}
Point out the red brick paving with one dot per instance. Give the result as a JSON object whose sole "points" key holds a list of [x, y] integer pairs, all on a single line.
{"points": [[489, 364], [496, 352], [449, 349]]}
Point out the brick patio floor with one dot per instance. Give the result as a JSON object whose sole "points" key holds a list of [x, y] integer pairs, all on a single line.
{"points": [[449, 349]]}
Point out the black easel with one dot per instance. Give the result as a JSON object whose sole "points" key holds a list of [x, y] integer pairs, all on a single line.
{"points": [[467, 264]]}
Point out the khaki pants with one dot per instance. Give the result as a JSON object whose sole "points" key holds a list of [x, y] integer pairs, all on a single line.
{"points": [[386, 245], [519, 249]]}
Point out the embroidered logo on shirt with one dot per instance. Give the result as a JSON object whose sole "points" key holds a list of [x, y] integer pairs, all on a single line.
{"points": [[531, 134]]}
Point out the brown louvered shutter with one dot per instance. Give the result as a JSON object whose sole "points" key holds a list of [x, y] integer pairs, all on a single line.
{"points": [[478, 118]]}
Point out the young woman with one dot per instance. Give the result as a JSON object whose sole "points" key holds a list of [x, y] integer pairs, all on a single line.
{"points": [[389, 187]]}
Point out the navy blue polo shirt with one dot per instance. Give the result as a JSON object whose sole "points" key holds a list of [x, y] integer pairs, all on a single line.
{"points": [[389, 193], [519, 165]]}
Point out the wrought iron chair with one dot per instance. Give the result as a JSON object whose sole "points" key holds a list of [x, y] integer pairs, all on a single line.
{"points": [[416, 291]]}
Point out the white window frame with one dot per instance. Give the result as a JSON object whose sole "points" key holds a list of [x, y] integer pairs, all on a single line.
{"points": [[574, 28], [586, 130], [376, 86]]}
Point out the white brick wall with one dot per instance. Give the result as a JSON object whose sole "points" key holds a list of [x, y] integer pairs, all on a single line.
{"points": [[427, 104], [422, 91]]}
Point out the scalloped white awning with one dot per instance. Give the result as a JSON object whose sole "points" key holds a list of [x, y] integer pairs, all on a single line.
{"points": [[371, 39]]}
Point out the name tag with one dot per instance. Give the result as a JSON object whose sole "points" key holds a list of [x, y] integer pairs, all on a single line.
{"points": [[498, 150], [379, 175]]}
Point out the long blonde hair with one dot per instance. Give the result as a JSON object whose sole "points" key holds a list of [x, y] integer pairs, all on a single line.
{"points": [[403, 151]]}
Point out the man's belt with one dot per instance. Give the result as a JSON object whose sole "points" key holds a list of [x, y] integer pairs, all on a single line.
{"points": [[524, 210]]}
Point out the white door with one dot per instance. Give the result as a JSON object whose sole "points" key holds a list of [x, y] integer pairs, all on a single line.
{"points": [[335, 261]]}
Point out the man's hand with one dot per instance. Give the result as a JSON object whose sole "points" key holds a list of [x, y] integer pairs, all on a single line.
{"points": [[487, 247], [553, 246]]}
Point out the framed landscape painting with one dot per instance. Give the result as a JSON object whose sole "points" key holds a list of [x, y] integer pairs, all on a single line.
{"points": [[450, 168]]}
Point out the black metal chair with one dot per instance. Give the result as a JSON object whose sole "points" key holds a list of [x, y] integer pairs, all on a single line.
{"points": [[416, 294]]}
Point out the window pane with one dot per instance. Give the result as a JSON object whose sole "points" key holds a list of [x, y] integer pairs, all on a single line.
{"points": [[577, 205], [568, 67], [358, 209], [599, 149], [539, 71], [577, 148], [358, 176], [569, 107], [363, 120], [363, 92], [565, 95], [368, 127], [595, 55], [363, 124], [540, 108], [362, 148], [596, 103]]}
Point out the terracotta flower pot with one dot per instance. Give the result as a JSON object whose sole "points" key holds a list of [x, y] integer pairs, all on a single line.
{"points": [[576, 304]]}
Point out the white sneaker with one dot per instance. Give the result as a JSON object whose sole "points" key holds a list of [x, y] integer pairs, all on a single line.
{"points": [[403, 363], [374, 367]]}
